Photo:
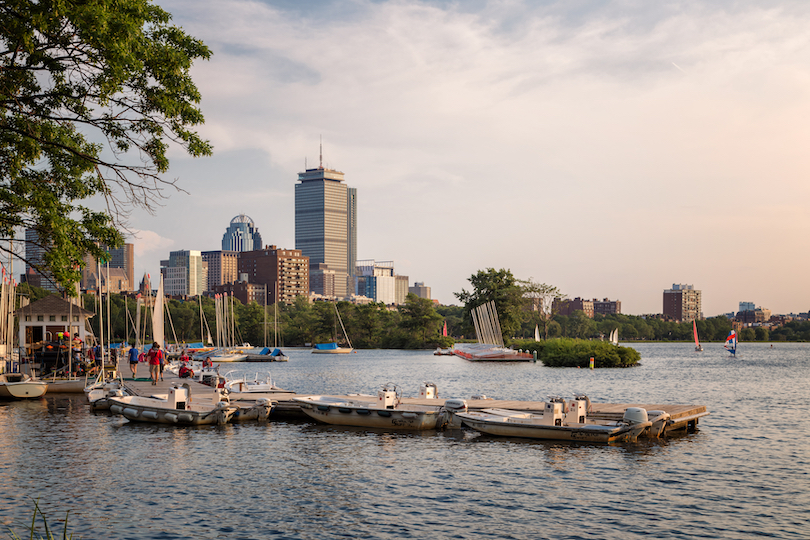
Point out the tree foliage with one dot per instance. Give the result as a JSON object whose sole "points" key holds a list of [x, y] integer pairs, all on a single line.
{"points": [[91, 96]]}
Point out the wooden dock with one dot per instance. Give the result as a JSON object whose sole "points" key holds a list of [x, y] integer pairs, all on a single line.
{"points": [[683, 417]]}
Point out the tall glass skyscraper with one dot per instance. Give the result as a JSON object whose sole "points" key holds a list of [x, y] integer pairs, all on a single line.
{"points": [[326, 229], [241, 235]]}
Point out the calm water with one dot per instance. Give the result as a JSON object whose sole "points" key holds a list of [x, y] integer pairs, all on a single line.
{"points": [[743, 475]]}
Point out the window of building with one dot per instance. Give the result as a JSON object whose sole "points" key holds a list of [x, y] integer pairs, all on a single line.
{"points": [[64, 318], [52, 318], [40, 317]]}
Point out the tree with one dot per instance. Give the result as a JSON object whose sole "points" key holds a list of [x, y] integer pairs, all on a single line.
{"points": [[501, 287], [545, 296], [418, 315], [91, 96]]}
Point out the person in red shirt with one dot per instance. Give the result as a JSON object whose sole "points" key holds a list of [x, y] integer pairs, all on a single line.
{"points": [[155, 359]]}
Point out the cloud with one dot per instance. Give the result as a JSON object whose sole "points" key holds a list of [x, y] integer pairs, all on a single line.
{"points": [[556, 139]]}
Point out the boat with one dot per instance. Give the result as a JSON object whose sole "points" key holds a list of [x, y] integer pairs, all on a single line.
{"points": [[21, 386], [614, 336], [99, 392], [698, 346], [731, 343], [177, 407], [259, 411], [334, 348], [244, 385], [266, 354], [443, 352], [490, 346], [386, 412], [565, 420]]}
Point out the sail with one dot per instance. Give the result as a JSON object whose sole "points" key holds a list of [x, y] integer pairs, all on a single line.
{"points": [[444, 330], [157, 315], [697, 341], [614, 336], [536, 332], [731, 342]]}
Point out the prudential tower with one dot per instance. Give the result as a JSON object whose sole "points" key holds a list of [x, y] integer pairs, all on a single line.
{"points": [[326, 230]]}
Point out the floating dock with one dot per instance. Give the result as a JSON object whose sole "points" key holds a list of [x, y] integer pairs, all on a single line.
{"points": [[682, 417]]}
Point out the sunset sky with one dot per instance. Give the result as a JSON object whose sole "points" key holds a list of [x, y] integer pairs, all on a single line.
{"points": [[608, 148]]}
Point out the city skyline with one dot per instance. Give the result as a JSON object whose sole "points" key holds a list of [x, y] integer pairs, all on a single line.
{"points": [[609, 150]]}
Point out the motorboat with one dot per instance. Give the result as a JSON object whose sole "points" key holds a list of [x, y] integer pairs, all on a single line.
{"points": [[177, 407], [562, 419], [21, 386], [387, 411], [259, 411], [245, 385], [99, 392]]}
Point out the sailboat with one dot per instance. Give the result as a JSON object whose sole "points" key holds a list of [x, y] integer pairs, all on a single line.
{"points": [[698, 346], [333, 348], [731, 343], [537, 332], [614, 336]]}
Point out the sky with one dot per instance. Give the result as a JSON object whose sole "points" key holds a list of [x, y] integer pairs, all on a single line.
{"points": [[608, 148]]}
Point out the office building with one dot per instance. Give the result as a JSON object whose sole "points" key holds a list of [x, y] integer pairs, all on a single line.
{"points": [[241, 235], [607, 307], [377, 280], [182, 273], [420, 290], [35, 275], [284, 272], [566, 307], [326, 229], [221, 268], [747, 306], [122, 258], [682, 303]]}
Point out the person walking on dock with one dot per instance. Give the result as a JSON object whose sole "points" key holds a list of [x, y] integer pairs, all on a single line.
{"points": [[155, 358], [133, 362]]}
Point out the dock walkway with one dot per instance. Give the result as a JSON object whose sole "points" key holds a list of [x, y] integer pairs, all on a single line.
{"points": [[682, 416]]}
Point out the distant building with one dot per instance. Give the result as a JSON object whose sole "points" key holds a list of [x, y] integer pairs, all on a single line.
{"points": [[683, 303], [244, 291], [284, 272], [241, 235], [753, 316], [607, 307], [568, 307], [747, 306], [326, 230], [183, 273], [377, 280], [122, 258], [420, 290], [222, 267], [113, 280], [35, 249]]}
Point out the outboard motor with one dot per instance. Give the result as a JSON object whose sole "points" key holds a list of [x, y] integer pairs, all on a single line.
{"points": [[451, 407], [635, 415], [428, 390]]}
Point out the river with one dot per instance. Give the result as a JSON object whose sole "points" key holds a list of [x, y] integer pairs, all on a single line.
{"points": [[743, 474]]}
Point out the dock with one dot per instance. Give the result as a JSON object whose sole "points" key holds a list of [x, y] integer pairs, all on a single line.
{"points": [[682, 417]]}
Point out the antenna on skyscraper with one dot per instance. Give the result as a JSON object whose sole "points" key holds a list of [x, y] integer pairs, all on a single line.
{"points": [[321, 164]]}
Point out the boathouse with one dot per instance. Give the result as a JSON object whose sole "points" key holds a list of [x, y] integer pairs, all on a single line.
{"points": [[44, 319]]}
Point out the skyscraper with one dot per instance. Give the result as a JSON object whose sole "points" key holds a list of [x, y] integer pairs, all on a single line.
{"points": [[241, 235], [183, 273], [35, 257], [326, 227]]}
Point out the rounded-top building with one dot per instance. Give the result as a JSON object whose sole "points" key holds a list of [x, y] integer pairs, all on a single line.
{"points": [[241, 235]]}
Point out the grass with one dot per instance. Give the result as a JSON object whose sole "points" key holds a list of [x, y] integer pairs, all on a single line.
{"points": [[49, 535]]}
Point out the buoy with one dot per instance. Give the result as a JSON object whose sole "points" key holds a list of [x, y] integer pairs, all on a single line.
{"points": [[591, 362]]}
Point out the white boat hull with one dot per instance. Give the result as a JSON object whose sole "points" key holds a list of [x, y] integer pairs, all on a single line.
{"points": [[17, 386], [526, 427], [339, 350], [364, 414]]}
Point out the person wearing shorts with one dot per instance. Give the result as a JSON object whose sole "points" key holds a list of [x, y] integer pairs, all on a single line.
{"points": [[155, 359], [133, 362]]}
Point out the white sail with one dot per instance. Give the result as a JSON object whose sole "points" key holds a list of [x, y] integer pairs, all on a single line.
{"points": [[536, 332], [157, 315]]}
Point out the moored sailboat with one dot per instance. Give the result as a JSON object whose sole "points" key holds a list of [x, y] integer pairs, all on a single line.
{"points": [[333, 347]]}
